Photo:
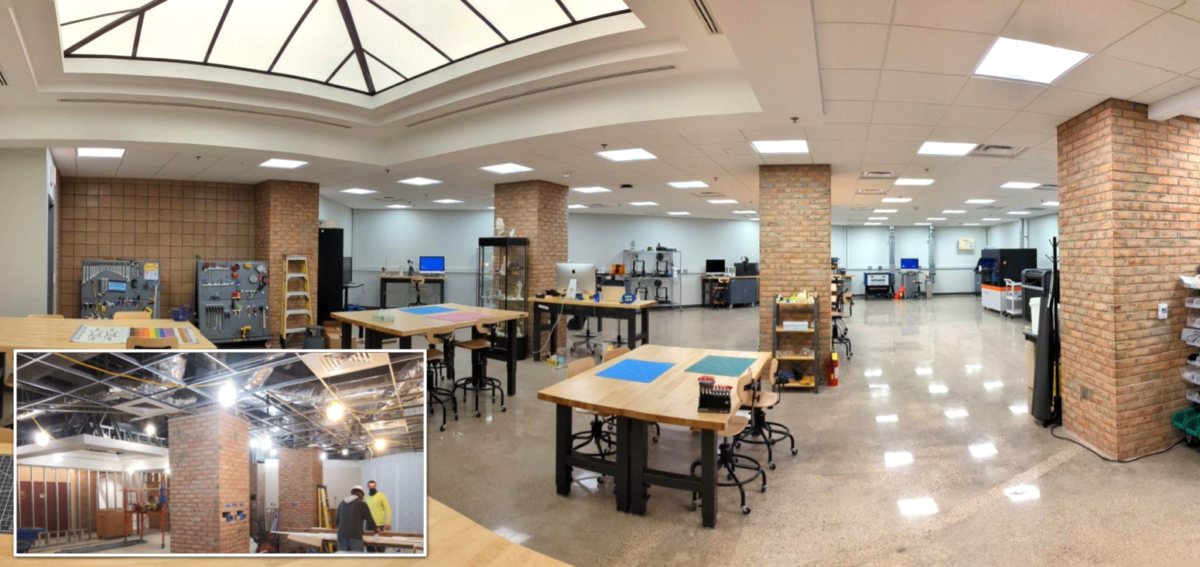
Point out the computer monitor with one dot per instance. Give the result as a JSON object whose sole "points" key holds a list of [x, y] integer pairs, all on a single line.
{"points": [[432, 265], [714, 266], [347, 269], [910, 264], [583, 274]]}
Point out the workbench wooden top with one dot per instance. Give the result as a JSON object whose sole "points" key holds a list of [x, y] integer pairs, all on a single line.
{"points": [[728, 277], [410, 324], [639, 304], [404, 278], [671, 398]]}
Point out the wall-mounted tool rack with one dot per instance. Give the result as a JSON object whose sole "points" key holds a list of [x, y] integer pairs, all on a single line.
{"points": [[111, 286], [233, 300]]}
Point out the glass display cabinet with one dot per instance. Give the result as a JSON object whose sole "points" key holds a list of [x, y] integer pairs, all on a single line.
{"points": [[501, 283]]}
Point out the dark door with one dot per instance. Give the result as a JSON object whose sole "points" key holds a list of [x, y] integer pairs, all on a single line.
{"points": [[329, 273]]}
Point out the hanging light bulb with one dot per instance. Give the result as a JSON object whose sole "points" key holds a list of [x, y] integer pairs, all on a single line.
{"points": [[254, 443], [335, 411], [151, 430], [345, 452], [42, 438], [167, 471], [380, 444], [227, 395], [322, 456], [266, 444]]}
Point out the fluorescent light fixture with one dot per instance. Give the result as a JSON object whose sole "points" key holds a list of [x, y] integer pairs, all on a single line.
{"points": [[491, 208], [870, 224], [780, 146], [892, 418], [745, 212], [635, 154], [994, 385], [577, 206], [956, 413], [922, 224], [1028, 61], [322, 456], [419, 181], [946, 148], [345, 452], [100, 152], [1019, 185], [679, 213], [897, 199], [983, 450], [1050, 204], [723, 201], [335, 411], [914, 182], [885, 211], [991, 219], [41, 438], [973, 367], [688, 184], [57, 458], [970, 224], [357, 191], [1022, 492], [151, 430], [166, 471], [506, 168], [953, 212], [877, 218], [936, 219], [283, 163], [447, 201], [918, 507], [893, 459], [591, 190], [227, 395], [1019, 409], [266, 444], [399, 206], [274, 452], [254, 443], [1018, 212], [980, 201], [644, 204], [938, 389]]}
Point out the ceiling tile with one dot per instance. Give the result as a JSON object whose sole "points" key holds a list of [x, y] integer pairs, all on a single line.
{"points": [[137, 171], [1064, 102], [951, 134], [904, 86], [899, 132], [995, 93], [907, 113], [976, 117], [849, 84], [64, 160], [791, 132], [656, 140], [983, 16], [1082, 25], [147, 157], [837, 146], [1188, 9], [1172, 87], [668, 152], [1170, 42], [1016, 139], [714, 137], [727, 149], [935, 51], [838, 132], [861, 11], [1110, 76], [1035, 122], [851, 46], [837, 112]]}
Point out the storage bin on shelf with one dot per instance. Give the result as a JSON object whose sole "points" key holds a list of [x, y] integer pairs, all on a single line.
{"points": [[1188, 421]]}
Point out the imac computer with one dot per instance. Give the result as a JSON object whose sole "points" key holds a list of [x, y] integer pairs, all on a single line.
{"points": [[583, 274], [432, 265], [714, 267]]}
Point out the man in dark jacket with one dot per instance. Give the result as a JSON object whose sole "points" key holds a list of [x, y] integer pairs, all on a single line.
{"points": [[351, 514]]}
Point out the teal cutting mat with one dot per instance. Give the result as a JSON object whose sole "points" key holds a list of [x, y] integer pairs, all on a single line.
{"points": [[721, 366]]}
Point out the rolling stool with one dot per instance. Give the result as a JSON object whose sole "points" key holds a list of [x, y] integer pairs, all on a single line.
{"points": [[728, 461], [587, 339], [717, 301], [767, 432], [478, 381], [416, 285], [435, 362]]}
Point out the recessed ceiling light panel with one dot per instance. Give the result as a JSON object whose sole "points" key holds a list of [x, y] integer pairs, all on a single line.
{"points": [[100, 153], [1028, 61], [577, 206], [399, 206], [679, 213], [506, 168], [914, 182], [1050, 204], [419, 181], [644, 204], [357, 191], [283, 163], [688, 184], [897, 199], [980, 201], [723, 201], [591, 190], [885, 211], [946, 148], [780, 146], [953, 212], [447, 201], [634, 154], [1019, 185]]}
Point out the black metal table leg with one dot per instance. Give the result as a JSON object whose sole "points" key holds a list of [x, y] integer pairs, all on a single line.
{"points": [[708, 477], [383, 294], [510, 330], [448, 355], [347, 338], [442, 292], [406, 343], [638, 458], [631, 328], [562, 450], [646, 326], [623, 457], [374, 340], [537, 333]]}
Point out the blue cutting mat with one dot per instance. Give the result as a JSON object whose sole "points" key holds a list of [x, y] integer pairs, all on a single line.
{"points": [[721, 366], [429, 310], [635, 371]]}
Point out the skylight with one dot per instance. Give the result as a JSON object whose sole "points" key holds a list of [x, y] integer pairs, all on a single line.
{"points": [[635, 154], [100, 153], [506, 168], [419, 181], [1028, 61], [917, 182], [591, 190], [364, 46], [283, 163], [688, 184], [946, 148]]}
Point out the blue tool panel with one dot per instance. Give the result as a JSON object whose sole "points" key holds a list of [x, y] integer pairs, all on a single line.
{"points": [[635, 371], [428, 310], [721, 366]]}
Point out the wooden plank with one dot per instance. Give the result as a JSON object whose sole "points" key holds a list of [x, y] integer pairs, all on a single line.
{"points": [[408, 324]]}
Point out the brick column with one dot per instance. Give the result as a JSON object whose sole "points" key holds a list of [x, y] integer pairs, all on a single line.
{"points": [[538, 211], [794, 243], [210, 478], [1130, 203], [300, 471], [286, 214]]}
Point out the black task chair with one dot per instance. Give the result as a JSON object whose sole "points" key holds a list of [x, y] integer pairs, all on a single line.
{"points": [[435, 364], [479, 381], [761, 431], [729, 463]]}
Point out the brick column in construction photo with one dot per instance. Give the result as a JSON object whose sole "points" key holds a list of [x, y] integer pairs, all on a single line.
{"points": [[538, 211], [1128, 224], [286, 224], [795, 229], [210, 478], [300, 471]]}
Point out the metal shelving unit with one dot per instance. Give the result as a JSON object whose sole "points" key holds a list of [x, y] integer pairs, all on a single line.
{"points": [[645, 267], [1188, 420], [788, 312]]}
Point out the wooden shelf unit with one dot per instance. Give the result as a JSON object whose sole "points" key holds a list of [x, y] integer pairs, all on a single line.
{"points": [[786, 312]]}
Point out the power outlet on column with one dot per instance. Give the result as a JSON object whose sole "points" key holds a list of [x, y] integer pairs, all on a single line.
{"points": [[1162, 311]]}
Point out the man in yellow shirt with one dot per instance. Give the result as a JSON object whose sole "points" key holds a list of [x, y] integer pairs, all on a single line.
{"points": [[381, 512]]}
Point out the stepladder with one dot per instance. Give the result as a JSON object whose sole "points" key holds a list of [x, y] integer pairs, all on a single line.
{"points": [[297, 313], [324, 517]]}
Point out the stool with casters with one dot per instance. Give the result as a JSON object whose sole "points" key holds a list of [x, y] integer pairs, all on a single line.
{"points": [[761, 431], [596, 433], [728, 461], [479, 381], [720, 295], [435, 364]]}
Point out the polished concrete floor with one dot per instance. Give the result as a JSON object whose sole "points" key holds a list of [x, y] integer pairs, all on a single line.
{"points": [[923, 456]]}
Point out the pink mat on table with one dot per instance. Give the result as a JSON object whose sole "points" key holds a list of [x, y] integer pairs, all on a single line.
{"points": [[457, 316]]}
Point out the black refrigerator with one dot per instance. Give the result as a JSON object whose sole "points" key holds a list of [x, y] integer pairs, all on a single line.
{"points": [[329, 274]]}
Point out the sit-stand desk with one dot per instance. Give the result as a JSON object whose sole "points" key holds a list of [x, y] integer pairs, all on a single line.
{"points": [[385, 279], [556, 307]]}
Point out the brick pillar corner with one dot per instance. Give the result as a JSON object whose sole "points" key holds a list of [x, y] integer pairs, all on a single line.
{"points": [[795, 228], [1129, 198], [300, 471], [210, 481], [286, 223], [538, 211]]}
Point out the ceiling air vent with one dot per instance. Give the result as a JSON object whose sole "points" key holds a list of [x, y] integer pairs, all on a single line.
{"points": [[871, 191], [335, 364], [1047, 187], [877, 175], [992, 150], [706, 16], [708, 194], [388, 198]]}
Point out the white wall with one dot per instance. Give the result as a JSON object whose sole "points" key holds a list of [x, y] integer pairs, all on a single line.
{"points": [[1041, 230], [339, 477], [330, 210], [863, 248], [1005, 235], [25, 182], [401, 477]]}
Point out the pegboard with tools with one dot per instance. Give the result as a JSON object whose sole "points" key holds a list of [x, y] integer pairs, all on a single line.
{"points": [[233, 300], [111, 286]]}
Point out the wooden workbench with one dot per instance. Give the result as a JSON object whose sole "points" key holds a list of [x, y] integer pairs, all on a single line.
{"points": [[556, 307], [385, 279]]}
